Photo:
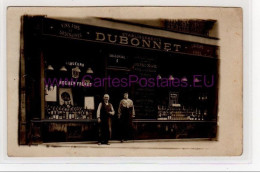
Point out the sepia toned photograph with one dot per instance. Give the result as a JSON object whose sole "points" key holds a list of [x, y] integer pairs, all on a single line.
{"points": [[112, 81]]}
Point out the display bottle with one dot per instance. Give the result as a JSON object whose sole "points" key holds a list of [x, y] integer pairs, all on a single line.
{"points": [[82, 113], [205, 114], [87, 113], [199, 114], [78, 114], [90, 114], [73, 113]]}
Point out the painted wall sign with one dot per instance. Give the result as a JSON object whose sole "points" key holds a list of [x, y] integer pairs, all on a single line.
{"points": [[197, 27], [90, 33]]}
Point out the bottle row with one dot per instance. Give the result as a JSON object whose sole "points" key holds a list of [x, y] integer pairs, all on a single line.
{"points": [[63, 112], [182, 113]]}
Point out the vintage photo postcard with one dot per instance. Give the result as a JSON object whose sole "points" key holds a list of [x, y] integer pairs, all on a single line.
{"points": [[124, 81]]}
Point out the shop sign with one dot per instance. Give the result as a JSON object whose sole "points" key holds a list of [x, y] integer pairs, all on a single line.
{"points": [[96, 34]]}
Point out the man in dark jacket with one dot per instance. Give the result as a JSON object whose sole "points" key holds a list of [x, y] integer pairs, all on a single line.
{"points": [[104, 113]]}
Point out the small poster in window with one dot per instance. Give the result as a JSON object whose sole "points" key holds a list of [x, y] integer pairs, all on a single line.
{"points": [[51, 93], [65, 96], [89, 103]]}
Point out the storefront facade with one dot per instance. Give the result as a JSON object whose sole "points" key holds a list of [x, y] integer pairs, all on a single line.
{"points": [[67, 66]]}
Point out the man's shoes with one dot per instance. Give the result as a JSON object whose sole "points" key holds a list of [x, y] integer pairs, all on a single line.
{"points": [[122, 141], [103, 143]]}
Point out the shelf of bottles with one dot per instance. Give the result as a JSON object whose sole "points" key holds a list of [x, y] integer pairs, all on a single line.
{"points": [[66, 74], [68, 112], [178, 112], [181, 113]]}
